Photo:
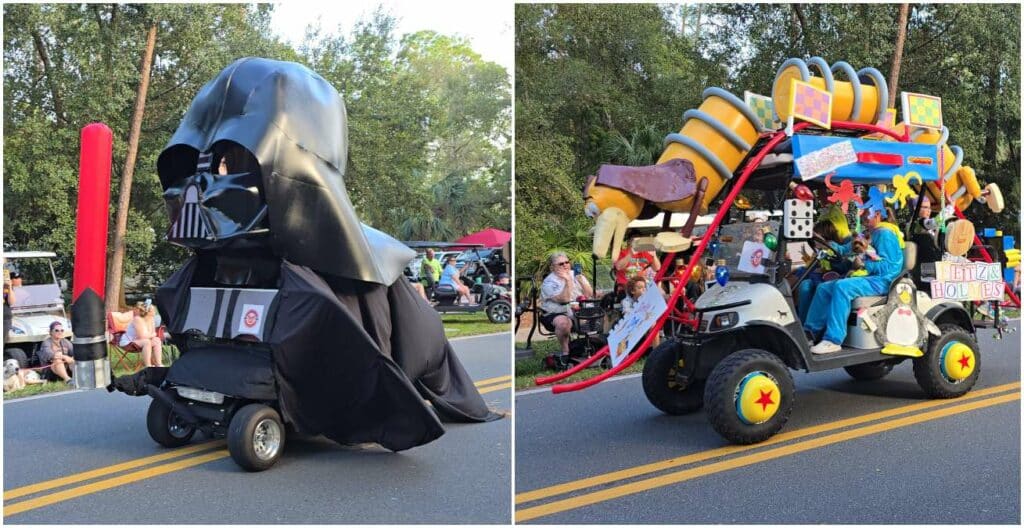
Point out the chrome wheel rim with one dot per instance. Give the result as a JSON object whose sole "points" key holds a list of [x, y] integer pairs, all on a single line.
{"points": [[266, 439], [502, 313]]}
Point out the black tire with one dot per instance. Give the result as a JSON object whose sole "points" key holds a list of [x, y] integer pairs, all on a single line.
{"points": [[869, 371], [17, 353], [928, 371], [499, 312], [256, 437], [661, 388], [166, 427], [722, 389]]}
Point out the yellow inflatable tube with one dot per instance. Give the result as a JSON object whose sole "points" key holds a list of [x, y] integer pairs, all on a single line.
{"points": [[715, 138], [862, 97]]}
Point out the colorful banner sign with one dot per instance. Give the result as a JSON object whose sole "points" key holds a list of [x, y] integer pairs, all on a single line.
{"points": [[828, 159], [811, 104], [877, 161], [921, 110], [763, 108], [968, 281], [634, 325]]}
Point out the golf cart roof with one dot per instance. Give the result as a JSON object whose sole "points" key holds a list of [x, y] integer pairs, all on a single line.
{"points": [[439, 245], [29, 254]]}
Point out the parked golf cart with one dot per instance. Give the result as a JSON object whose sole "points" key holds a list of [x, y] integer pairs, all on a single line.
{"points": [[38, 302], [487, 297]]}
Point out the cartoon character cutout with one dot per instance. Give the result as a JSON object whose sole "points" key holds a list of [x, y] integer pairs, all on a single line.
{"points": [[901, 327]]}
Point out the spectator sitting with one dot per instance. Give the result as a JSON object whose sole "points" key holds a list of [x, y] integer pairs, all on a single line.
{"points": [[450, 277], [560, 288], [56, 353], [142, 332]]}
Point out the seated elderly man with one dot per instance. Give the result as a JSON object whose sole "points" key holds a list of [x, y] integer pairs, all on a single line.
{"points": [[831, 305], [560, 288]]}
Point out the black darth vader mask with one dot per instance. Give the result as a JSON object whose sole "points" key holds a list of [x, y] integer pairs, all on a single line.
{"points": [[221, 205], [283, 131]]}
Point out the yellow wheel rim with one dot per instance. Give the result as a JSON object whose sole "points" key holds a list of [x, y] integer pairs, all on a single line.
{"points": [[957, 361], [757, 398]]}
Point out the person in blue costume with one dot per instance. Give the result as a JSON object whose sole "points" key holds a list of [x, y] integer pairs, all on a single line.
{"points": [[831, 305]]}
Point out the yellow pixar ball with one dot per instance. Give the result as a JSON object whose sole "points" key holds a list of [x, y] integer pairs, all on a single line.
{"points": [[758, 398], [957, 361]]}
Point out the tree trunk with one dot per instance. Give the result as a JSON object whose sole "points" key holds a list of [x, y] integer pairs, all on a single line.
{"points": [[897, 55], [114, 279], [51, 83], [991, 149], [805, 39]]}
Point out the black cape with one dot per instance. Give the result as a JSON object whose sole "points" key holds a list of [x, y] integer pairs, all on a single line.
{"points": [[351, 360]]}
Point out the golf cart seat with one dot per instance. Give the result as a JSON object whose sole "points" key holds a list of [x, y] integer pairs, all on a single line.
{"points": [[909, 263], [445, 291]]}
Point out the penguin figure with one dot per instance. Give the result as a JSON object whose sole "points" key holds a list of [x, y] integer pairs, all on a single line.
{"points": [[901, 327]]}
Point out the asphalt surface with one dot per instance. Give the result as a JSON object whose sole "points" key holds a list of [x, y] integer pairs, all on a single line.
{"points": [[463, 477], [956, 465]]}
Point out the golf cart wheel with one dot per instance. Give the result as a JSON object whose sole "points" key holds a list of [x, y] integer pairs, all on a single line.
{"points": [[499, 312], [869, 371], [19, 354], [256, 437], [661, 386], [950, 366], [749, 396], [166, 427]]}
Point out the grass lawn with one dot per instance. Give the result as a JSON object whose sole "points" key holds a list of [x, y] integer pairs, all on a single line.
{"points": [[529, 368], [462, 325], [170, 352], [455, 325]]}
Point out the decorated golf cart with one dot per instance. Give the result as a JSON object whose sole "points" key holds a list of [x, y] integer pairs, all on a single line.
{"points": [[290, 314], [820, 149]]}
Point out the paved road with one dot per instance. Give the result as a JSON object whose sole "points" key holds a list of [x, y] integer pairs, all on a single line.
{"points": [[463, 477], [898, 457]]}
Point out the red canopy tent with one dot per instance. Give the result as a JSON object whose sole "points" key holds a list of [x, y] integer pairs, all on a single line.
{"points": [[489, 237]]}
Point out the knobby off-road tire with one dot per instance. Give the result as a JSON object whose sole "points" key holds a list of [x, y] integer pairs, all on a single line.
{"points": [[661, 387], [723, 390], [928, 369]]}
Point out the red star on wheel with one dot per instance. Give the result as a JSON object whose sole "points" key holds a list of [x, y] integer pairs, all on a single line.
{"points": [[765, 400], [964, 361]]}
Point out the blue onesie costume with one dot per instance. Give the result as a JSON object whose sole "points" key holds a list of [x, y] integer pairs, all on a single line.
{"points": [[831, 305]]}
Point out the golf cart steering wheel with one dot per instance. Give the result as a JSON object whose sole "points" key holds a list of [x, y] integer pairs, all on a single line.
{"points": [[822, 252]]}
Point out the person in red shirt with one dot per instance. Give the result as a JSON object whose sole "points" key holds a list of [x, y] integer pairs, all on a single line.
{"points": [[632, 263]]}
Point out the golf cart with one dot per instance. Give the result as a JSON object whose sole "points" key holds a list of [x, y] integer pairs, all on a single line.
{"points": [[38, 302], [290, 314], [495, 300], [735, 345]]}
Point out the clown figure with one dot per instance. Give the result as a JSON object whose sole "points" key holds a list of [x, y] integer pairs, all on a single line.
{"points": [[832, 300]]}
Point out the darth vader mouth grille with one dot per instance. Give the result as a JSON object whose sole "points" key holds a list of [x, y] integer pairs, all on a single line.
{"points": [[190, 223]]}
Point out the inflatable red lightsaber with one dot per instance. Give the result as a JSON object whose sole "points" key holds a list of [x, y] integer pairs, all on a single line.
{"points": [[92, 367]]}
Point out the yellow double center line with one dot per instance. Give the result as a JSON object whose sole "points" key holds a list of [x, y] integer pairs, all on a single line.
{"points": [[494, 384], [963, 404], [215, 449]]}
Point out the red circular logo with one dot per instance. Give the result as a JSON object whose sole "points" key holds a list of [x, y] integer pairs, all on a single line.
{"points": [[251, 318]]}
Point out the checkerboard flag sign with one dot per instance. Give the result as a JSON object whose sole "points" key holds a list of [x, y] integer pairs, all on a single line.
{"points": [[924, 111], [811, 104], [763, 108]]}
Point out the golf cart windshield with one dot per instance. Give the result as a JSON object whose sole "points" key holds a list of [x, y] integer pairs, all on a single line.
{"points": [[741, 246], [38, 286]]}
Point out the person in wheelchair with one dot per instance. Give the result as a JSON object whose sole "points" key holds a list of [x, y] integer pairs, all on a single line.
{"points": [[560, 288], [830, 308]]}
